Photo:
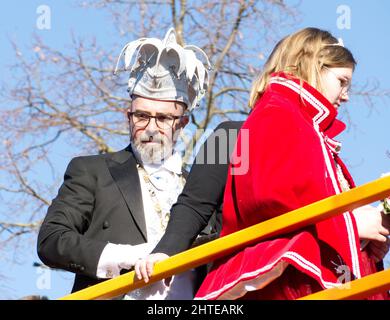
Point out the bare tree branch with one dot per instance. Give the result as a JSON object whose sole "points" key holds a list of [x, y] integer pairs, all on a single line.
{"points": [[65, 101]]}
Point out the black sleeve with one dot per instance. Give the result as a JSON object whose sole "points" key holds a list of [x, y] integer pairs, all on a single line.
{"points": [[61, 241], [203, 193]]}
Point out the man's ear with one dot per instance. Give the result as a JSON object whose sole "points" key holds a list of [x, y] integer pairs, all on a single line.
{"points": [[184, 121], [128, 110]]}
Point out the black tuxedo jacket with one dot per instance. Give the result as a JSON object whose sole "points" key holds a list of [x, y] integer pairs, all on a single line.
{"points": [[100, 201], [199, 206]]}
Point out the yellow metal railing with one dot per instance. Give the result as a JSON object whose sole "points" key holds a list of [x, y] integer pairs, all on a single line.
{"points": [[357, 289], [310, 214]]}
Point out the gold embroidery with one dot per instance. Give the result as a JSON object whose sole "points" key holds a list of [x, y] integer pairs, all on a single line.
{"points": [[163, 216], [340, 177]]}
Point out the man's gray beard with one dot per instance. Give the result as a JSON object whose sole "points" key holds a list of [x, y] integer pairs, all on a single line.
{"points": [[153, 153]]}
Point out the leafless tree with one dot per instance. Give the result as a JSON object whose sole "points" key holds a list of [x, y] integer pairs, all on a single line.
{"points": [[65, 101]]}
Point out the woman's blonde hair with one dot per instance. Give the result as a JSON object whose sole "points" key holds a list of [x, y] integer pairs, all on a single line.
{"points": [[303, 55]]}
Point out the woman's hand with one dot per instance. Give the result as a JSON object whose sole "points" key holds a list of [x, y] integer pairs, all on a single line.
{"points": [[144, 267], [372, 224]]}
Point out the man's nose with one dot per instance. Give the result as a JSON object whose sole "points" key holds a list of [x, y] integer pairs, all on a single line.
{"points": [[152, 126]]}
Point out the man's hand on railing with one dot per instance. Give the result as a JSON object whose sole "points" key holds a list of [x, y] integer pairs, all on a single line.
{"points": [[144, 267]]}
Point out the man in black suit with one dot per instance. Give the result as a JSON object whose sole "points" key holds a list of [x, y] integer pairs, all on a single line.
{"points": [[112, 209], [200, 203]]}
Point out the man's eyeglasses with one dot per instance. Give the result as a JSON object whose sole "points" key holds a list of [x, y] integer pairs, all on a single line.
{"points": [[163, 122], [345, 84]]}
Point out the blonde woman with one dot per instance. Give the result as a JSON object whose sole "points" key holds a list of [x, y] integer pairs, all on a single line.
{"points": [[294, 161]]}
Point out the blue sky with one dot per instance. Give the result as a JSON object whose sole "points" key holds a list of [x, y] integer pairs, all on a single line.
{"points": [[364, 147]]}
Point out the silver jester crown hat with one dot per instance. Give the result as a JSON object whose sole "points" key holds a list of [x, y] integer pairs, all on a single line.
{"points": [[164, 70]]}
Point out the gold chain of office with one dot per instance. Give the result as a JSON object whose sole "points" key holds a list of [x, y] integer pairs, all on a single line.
{"points": [[163, 216]]}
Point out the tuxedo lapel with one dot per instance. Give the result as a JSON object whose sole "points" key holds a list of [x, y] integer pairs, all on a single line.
{"points": [[123, 169]]}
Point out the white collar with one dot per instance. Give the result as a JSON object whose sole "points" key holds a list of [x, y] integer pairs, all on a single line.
{"points": [[173, 164]]}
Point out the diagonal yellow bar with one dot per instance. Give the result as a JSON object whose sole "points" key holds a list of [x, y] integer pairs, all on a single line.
{"points": [[357, 289], [323, 209]]}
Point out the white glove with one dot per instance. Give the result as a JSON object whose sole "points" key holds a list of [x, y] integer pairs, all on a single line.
{"points": [[116, 257]]}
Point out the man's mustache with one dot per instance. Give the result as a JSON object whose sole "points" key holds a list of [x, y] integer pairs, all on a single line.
{"points": [[151, 138]]}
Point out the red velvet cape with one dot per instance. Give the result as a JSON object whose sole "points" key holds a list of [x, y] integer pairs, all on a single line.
{"points": [[291, 162]]}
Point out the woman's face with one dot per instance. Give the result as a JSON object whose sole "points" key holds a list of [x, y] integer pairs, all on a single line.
{"points": [[336, 83]]}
